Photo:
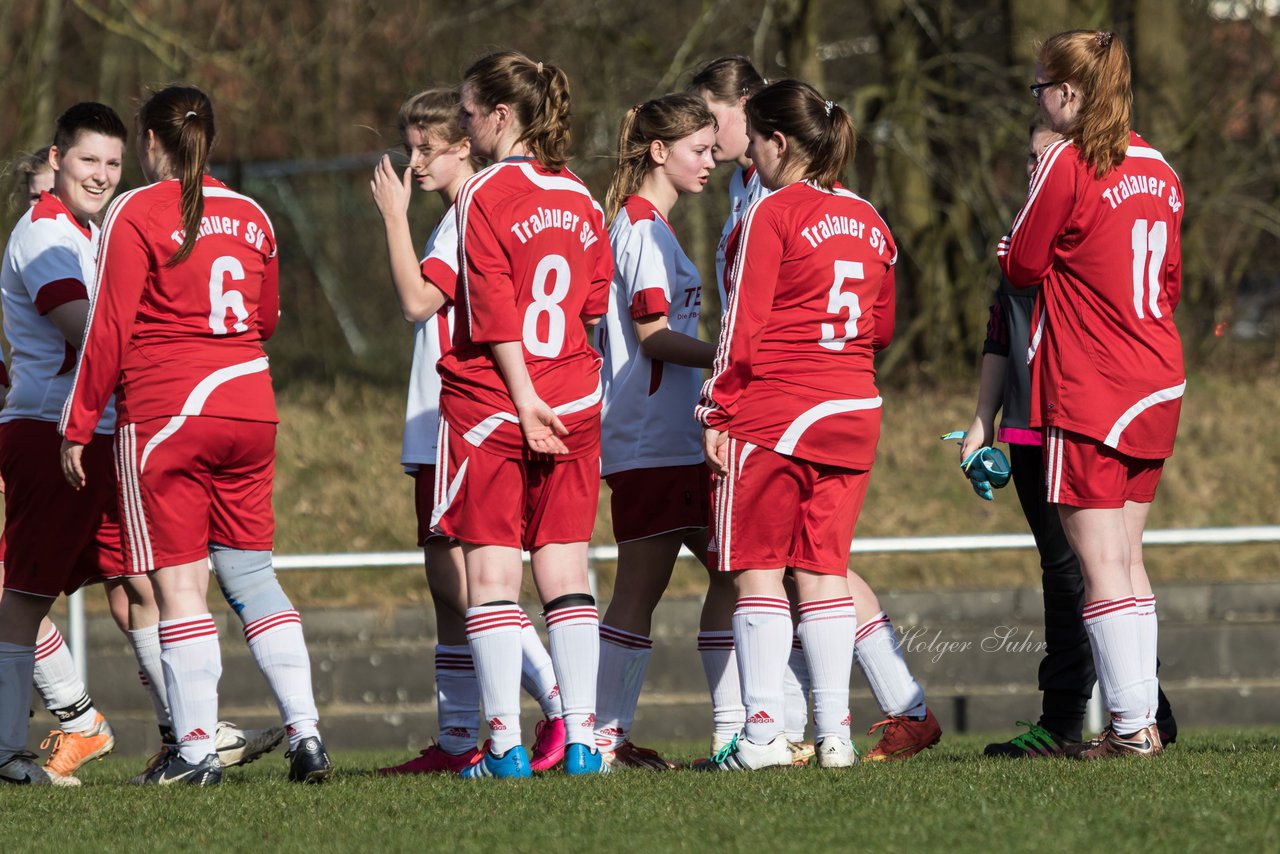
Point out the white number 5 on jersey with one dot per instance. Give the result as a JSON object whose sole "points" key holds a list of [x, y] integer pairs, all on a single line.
{"points": [[839, 300], [223, 299]]}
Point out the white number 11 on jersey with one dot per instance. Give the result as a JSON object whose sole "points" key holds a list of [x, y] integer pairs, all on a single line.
{"points": [[1148, 264]]}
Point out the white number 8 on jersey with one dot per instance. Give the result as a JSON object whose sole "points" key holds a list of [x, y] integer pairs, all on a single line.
{"points": [[548, 304]]}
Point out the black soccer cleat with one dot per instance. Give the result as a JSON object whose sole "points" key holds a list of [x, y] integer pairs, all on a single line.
{"points": [[174, 769], [309, 762]]}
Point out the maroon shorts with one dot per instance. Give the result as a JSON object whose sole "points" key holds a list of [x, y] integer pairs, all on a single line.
{"points": [[649, 502], [57, 539], [1083, 472], [188, 481], [489, 500], [773, 511]]}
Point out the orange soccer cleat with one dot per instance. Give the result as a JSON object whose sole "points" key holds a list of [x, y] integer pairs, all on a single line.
{"points": [[904, 737], [73, 749]]}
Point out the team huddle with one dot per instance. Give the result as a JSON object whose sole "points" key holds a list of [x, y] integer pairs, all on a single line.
{"points": [[555, 345]]}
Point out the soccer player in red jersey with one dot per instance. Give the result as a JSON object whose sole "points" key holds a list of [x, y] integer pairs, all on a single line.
{"points": [[792, 414], [651, 453], [519, 448], [440, 161], [1101, 230], [186, 293]]}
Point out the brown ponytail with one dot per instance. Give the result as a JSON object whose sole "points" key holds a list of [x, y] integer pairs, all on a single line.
{"points": [[1097, 65], [667, 119], [538, 94], [727, 79], [820, 134], [181, 117]]}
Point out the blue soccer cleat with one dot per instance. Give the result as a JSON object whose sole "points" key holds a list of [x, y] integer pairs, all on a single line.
{"points": [[512, 765], [580, 760]]}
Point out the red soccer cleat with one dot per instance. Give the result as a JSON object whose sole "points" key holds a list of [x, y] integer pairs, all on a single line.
{"points": [[904, 737], [434, 760]]}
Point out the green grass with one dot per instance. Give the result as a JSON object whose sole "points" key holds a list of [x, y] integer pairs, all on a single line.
{"points": [[1213, 791]]}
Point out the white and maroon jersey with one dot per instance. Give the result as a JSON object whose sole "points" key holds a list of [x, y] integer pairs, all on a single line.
{"points": [[48, 263], [744, 189], [1105, 354], [811, 300], [430, 339], [179, 340], [533, 260], [647, 420]]}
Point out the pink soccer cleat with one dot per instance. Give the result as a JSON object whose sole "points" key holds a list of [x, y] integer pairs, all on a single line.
{"points": [[434, 760], [548, 744]]}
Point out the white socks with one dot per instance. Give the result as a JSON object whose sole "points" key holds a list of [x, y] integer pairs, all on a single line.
{"points": [[457, 699], [537, 673], [762, 634], [280, 650], [796, 687], [880, 659], [494, 634], [1116, 635], [1148, 636], [192, 665], [624, 658], [17, 665], [60, 685], [720, 664], [146, 648], [573, 631], [827, 628]]}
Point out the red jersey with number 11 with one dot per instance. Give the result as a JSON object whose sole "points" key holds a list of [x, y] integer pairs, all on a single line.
{"points": [[811, 300], [534, 259], [180, 340], [1106, 359]]}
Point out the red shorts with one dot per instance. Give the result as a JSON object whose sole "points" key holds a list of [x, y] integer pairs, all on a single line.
{"points": [[424, 501], [489, 500], [57, 539], [1083, 472], [187, 482], [774, 511], [649, 502]]}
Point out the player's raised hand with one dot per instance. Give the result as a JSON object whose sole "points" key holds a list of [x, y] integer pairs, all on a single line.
{"points": [[72, 468], [713, 448], [391, 192], [542, 428]]}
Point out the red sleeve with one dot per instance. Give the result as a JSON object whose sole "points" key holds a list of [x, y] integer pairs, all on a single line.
{"points": [[1173, 260], [597, 304], [124, 266], [884, 314], [1026, 253], [759, 254], [440, 274], [269, 300], [648, 302], [492, 302], [59, 293]]}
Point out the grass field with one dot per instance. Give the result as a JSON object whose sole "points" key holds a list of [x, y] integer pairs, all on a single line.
{"points": [[1213, 791]]}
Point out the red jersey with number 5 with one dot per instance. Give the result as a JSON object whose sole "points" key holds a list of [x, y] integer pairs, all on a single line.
{"points": [[533, 261], [811, 301], [1106, 359], [180, 340]]}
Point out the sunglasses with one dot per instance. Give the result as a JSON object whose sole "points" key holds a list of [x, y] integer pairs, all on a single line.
{"points": [[1037, 88]]}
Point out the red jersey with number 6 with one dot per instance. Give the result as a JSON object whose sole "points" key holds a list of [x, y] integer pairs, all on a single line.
{"points": [[811, 300], [180, 340], [1106, 359], [534, 260]]}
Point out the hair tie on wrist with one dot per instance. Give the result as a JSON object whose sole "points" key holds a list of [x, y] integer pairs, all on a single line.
{"points": [[1104, 39], [189, 114], [829, 105]]}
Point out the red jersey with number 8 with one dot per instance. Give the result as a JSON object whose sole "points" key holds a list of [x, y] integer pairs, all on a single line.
{"points": [[811, 300], [534, 260], [186, 339], [1106, 358]]}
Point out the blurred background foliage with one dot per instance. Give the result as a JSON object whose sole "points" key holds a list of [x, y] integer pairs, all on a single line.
{"points": [[307, 94]]}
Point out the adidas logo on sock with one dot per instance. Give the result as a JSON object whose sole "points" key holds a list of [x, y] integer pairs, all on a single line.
{"points": [[590, 721], [555, 692], [613, 731], [196, 734], [848, 719], [497, 725], [457, 732], [760, 717]]}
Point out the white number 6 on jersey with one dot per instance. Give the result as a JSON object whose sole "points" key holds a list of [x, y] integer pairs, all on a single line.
{"points": [[223, 300], [837, 300]]}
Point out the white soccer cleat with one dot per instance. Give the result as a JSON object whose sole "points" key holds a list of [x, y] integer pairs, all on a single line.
{"points": [[741, 754], [238, 746], [836, 752]]}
